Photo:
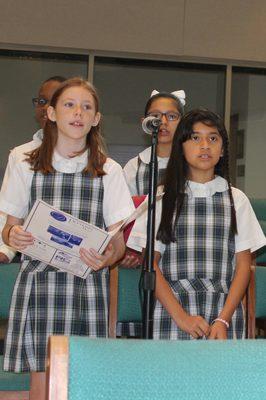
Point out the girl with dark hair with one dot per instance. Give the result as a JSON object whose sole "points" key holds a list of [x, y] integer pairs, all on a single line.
{"points": [[41, 103], [169, 107], [70, 171], [207, 230]]}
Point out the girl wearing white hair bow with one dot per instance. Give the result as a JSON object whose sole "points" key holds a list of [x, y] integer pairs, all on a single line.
{"points": [[169, 107]]}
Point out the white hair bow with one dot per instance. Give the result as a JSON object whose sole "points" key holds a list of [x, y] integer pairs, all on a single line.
{"points": [[179, 94]]}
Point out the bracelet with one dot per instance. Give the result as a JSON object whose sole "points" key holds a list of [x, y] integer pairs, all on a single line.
{"points": [[8, 233], [221, 320]]}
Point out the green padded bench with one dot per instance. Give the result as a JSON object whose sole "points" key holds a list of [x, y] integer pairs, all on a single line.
{"points": [[259, 207], [260, 296], [13, 386], [10, 381], [260, 277], [8, 276], [129, 314], [125, 315], [82, 368]]}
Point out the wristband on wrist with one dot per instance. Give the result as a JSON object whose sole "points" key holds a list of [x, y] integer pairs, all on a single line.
{"points": [[221, 320], [8, 233]]}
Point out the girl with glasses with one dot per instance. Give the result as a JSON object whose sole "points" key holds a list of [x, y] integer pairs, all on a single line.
{"points": [[169, 107], [45, 94]]}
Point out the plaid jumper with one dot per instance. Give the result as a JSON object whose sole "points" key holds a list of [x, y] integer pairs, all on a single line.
{"points": [[199, 266], [134, 329], [142, 177], [47, 301]]}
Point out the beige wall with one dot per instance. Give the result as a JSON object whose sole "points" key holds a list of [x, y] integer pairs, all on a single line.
{"points": [[228, 29], [224, 29], [117, 25]]}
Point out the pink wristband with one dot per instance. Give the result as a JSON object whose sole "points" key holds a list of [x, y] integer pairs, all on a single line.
{"points": [[221, 320]]}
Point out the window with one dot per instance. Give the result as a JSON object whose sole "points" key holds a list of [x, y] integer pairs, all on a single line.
{"points": [[21, 76], [248, 120], [125, 86]]}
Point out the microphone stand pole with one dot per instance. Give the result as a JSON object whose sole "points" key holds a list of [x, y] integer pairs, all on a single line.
{"points": [[148, 273]]}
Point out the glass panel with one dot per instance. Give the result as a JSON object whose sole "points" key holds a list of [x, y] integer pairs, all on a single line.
{"points": [[21, 75], [248, 120], [125, 85]]}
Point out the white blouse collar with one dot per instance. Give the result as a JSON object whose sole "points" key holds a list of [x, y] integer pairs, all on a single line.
{"points": [[208, 189], [70, 165], [61, 164], [38, 136], [145, 157]]}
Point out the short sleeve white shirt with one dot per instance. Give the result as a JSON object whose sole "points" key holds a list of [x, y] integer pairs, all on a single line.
{"points": [[249, 237], [131, 168], [15, 192]]}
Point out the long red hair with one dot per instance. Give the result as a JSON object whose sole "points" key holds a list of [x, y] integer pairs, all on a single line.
{"points": [[40, 159]]}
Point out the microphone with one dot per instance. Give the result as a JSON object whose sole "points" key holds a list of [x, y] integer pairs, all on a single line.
{"points": [[149, 124]]}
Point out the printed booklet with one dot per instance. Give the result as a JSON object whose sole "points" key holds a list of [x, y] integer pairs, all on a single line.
{"points": [[58, 237]]}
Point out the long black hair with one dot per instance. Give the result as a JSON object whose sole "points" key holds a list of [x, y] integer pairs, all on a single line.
{"points": [[175, 180]]}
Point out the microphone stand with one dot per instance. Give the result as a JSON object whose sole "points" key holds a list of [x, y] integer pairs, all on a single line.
{"points": [[148, 273]]}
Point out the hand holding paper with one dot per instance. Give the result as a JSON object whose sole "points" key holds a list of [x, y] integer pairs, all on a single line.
{"points": [[93, 259], [113, 252], [18, 238], [59, 238], [98, 261]]}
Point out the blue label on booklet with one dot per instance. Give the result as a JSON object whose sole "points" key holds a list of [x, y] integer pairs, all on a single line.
{"points": [[58, 216]]}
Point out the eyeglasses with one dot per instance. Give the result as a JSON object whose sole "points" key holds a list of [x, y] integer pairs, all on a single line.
{"points": [[39, 101], [169, 115]]}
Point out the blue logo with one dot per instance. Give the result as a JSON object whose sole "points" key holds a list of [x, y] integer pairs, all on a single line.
{"points": [[58, 216]]}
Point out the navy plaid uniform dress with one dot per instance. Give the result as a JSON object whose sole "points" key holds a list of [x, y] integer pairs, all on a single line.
{"points": [[199, 266], [142, 177], [134, 329], [47, 301]]}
